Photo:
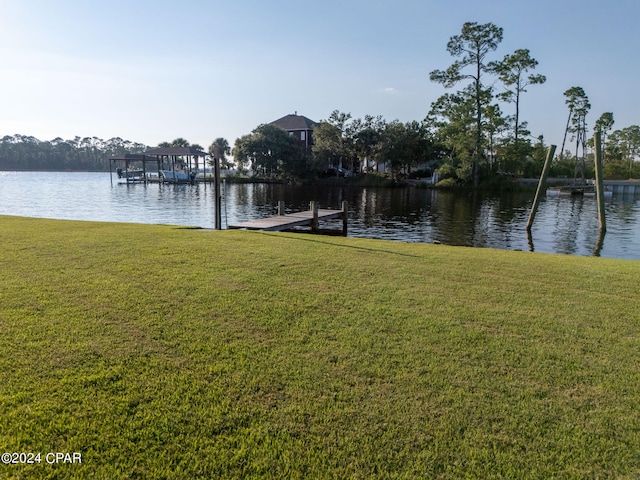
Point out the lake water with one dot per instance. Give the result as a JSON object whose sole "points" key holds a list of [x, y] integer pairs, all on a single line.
{"points": [[567, 225]]}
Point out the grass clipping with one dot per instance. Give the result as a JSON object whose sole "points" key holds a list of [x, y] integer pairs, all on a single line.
{"points": [[161, 352]]}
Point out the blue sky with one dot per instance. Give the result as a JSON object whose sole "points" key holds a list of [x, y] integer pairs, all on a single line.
{"points": [[151, 71]]}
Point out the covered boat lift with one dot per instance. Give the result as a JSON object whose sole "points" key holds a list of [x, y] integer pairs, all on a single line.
{"points": [[135, 167], [177, 164], [173, 164]]}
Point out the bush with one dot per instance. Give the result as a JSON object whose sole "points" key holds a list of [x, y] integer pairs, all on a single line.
{"points": [[447, 183], [446, 171]]}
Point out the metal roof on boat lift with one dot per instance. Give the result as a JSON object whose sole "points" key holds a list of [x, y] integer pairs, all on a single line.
{"points": [[176, 151], [130, 156]]}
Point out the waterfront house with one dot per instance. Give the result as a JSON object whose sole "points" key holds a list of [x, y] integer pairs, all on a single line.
{"points": [[299, 127]]}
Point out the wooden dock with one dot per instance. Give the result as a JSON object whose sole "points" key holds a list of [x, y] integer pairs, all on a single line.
{"points": [[282, 221]]}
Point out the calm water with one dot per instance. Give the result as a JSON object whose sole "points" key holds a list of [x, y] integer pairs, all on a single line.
{"points": [[563, 225]]}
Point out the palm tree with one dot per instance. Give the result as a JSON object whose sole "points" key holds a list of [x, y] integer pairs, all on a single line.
{"points": [[180, 142], [220, 149]]}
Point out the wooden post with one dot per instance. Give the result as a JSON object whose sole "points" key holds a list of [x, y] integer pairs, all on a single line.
{"points": [[541, 186], [314, 210], [344, 218], [599, 243], [281, 207], [224, 191], [597, 146], [216, 174], [144, 168]]}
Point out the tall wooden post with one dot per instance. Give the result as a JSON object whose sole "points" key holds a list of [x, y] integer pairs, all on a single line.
{"points": [[344, 218], [281, 207], [541, 186], [597, 146], [216, 174], [313, 206], [144, 168]]}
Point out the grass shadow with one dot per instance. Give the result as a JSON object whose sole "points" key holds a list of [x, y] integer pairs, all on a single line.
{"points": [[308, 238]]}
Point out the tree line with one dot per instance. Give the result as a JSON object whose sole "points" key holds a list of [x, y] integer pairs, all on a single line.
{"points": [[21, 152], [620, 147]]}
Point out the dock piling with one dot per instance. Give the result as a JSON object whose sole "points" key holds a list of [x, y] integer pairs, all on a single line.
{"points": [[218, 197], [344, 218], [597, 146], [541, 185], [313, 206]]}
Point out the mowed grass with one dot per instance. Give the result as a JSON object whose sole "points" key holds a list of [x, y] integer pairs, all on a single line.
{"points": [[160, 352]]}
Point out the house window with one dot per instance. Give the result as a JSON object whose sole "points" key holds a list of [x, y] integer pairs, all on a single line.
{"points": [[291, 134], [303, 135]]}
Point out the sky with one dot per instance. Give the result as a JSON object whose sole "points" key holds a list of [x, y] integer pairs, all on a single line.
{"points": [[151, 71]]}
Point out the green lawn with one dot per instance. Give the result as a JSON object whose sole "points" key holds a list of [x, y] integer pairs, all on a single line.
{"points": [[160, 352]]}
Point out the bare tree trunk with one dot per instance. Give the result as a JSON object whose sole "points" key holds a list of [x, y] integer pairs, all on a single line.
{"points": [[515, 136], [476, 159], [566, 130]]}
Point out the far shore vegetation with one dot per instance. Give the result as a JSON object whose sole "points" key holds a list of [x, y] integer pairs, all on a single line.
{"points": [[163, 352]]}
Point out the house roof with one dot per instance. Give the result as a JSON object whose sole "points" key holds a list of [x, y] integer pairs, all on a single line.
{"points": [[176, 151], [294, 122]]}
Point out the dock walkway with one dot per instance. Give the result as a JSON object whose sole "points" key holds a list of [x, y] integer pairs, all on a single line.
{"points": [[288, 221]]}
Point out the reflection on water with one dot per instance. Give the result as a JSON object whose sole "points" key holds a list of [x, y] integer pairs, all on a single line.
{"points": [[566, 225]]}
